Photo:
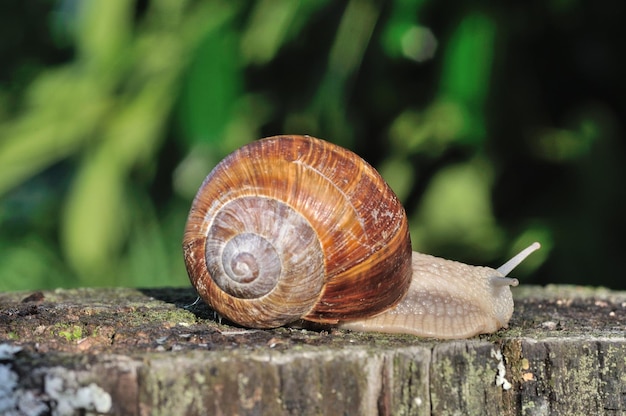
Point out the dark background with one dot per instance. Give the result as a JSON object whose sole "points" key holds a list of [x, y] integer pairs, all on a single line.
{"points": [[497, 124]]}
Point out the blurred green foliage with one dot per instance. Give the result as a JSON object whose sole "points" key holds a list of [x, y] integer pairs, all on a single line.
{"points": [[497, 125]]}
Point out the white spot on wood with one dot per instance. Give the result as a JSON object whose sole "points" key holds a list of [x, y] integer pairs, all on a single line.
{"points": [[549, 325], [63, 387], [8, 383], [7, 351], [501, 381]]}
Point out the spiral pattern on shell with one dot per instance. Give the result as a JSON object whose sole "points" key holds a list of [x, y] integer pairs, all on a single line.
{"points": [[293, 227]]}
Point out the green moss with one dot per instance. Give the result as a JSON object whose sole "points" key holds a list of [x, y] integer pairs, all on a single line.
{"points": [[71, 333]]}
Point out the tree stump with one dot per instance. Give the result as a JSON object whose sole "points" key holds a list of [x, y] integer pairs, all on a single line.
{"points": [[146, 352]]}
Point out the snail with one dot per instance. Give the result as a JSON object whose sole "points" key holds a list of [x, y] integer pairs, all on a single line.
{"points": [[292, 228]]}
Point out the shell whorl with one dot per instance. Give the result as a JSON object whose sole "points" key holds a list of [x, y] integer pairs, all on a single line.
{"points": [[294, 227]]}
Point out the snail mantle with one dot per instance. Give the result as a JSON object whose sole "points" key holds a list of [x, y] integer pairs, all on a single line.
{"points": [[136, 352]]}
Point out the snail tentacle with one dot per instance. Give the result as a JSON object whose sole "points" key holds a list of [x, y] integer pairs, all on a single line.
{"points": [[507, 267]]}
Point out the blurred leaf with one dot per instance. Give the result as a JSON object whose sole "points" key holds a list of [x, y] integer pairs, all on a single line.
{"points": [[400, 175], [466, 73], [95, 220], [456, 211], [403, 19], [30, 262], [154, 257], [418, 43], [113, 101], [267, 30], [353, 36], [249, 114], [101, 49], [562, 145], [429, 132], [96, 213], [272, 24], [211, 88], [328, 108], [65, 109]]}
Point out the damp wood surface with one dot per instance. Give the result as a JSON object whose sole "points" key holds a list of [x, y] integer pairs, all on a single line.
{"points": [[129, 351]]}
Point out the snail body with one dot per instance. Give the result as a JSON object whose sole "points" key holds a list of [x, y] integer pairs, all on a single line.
{"points": [[293, 227]]}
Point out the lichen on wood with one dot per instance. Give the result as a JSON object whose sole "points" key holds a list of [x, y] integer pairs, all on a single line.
{"points": [[134, 352]]}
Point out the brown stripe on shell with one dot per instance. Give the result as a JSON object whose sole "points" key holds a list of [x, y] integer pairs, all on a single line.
{"points": [[361, 226]]}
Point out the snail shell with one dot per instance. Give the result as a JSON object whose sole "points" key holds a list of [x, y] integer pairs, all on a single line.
{"points": [[293, 227]]}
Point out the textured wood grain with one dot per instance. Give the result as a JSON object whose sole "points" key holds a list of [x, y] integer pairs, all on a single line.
{"points": [[132, 352]]}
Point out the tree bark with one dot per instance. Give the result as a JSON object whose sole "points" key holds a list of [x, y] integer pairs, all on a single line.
{"points": [[146, 352]]}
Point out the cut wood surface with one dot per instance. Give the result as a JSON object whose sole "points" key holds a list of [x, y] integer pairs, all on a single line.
{"points": [[146, 352]]}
